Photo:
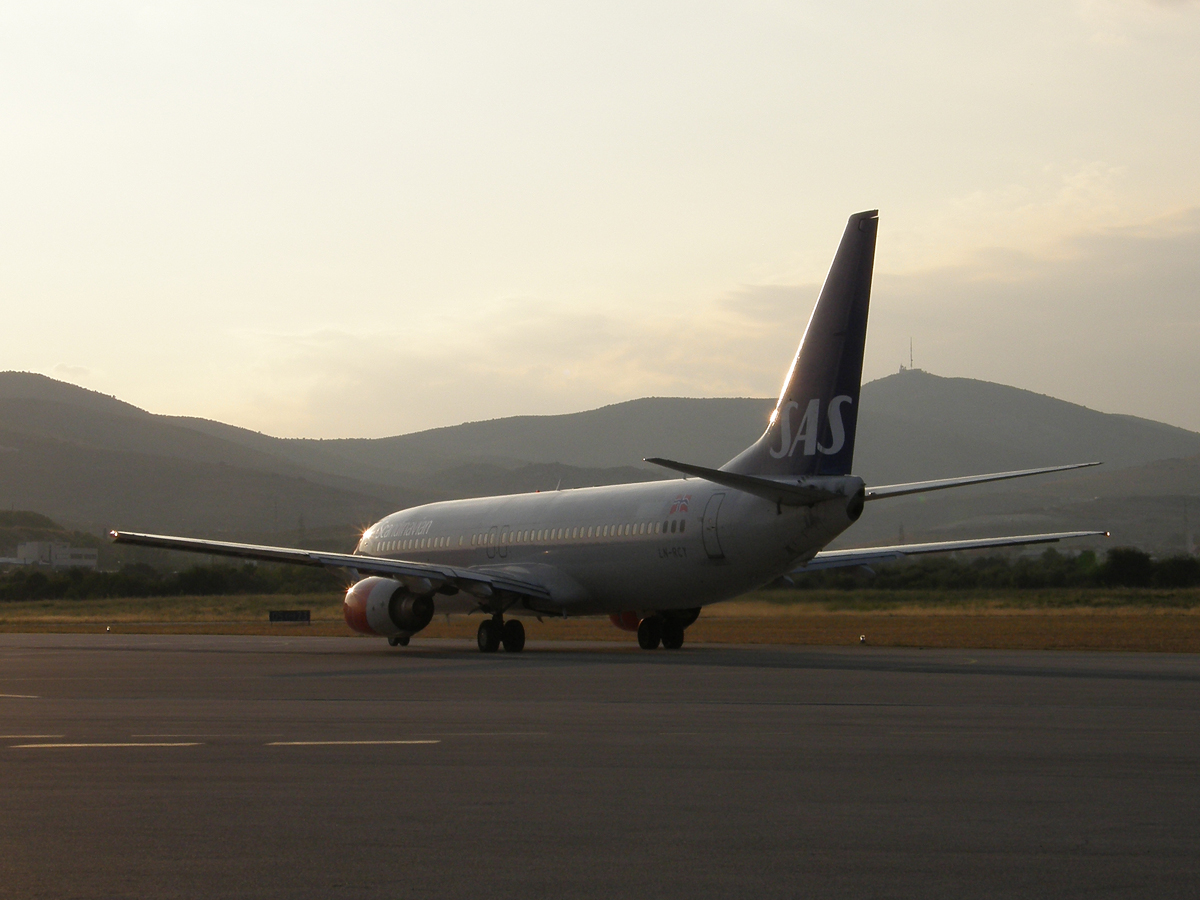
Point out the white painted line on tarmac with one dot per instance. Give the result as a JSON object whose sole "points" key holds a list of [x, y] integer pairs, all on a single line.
{"points": [[20, 696], [74, 746], [491, 733], [28, 737], [341, 743]]}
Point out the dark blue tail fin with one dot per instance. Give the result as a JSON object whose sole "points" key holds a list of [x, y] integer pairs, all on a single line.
{"points": [[812, 428]]}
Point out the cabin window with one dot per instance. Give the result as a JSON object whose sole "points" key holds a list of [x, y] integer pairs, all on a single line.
{"points": [[589, 534], [682, 524], [673, 524]]}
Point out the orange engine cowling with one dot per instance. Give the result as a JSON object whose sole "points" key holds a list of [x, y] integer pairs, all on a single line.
{"points": [[626, 621], [383, 606]]}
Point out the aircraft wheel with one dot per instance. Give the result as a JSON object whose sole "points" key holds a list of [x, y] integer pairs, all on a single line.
{"points": [[650, 632], [672, 635], [513, 636], [488, 636], [398, 641]]}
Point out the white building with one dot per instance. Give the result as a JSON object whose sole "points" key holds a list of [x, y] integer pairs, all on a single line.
{"points": [[56, 555]]}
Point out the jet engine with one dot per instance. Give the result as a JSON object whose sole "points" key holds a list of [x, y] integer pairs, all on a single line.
{"points": [[627, 620], [385, 607]]}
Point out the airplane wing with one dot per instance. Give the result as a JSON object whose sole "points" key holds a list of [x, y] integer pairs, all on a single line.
{"points": [[418, 576], [920, 487], [793, 494], [775, 490], [865, 556]]}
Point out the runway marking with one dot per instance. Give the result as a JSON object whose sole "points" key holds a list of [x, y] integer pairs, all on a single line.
{"points": [[20, 696], [105, 744], [27, 737], [340, 743], [492, 733], [193, 734]]}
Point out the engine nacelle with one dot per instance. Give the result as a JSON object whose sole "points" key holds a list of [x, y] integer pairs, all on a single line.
{"points": [[627, 620], [630, 619], [383, 606]]}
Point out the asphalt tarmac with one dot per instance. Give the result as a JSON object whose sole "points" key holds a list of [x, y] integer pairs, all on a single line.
{"points": [[196, 766]]}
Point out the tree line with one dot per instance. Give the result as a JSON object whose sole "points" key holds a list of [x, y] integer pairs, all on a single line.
{"points": [[141, 580], [1120, 567]]}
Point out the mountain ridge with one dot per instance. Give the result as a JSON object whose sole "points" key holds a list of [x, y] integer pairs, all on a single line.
{"points": [[95, 462]]}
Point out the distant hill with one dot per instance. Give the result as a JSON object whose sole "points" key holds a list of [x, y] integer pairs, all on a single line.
{"points": [[94, 462], [912, 425], [915, 425]]}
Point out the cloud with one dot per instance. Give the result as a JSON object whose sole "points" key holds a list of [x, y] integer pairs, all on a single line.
{"points": [[1109, 318], [72, 373], [527, 356]]}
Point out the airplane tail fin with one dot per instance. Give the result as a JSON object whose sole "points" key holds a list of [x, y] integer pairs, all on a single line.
{"points": [[811, 431]]}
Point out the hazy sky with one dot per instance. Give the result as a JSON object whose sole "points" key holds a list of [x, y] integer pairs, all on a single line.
{"points": [[362, 219]]}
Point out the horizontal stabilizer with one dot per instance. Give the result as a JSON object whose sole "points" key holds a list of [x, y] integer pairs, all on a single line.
{"points": [[940, 484], [865, 556], [776, 490], [444, 579]]}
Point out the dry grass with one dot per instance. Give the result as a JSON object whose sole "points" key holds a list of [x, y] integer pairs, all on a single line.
{"points": [[1124, 620]]}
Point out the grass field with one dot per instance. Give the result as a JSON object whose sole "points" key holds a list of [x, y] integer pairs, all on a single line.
{"points": [[1125, 619]]}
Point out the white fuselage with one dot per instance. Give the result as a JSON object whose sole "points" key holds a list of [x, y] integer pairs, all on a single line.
{"points": [[659, 545]]}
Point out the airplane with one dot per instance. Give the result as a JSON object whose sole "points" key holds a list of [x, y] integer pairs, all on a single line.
{"points": [[650, 555]]}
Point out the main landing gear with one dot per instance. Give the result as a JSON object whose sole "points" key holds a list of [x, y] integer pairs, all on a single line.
{"points": [[398, 641], [495, 631], [654, 630]]}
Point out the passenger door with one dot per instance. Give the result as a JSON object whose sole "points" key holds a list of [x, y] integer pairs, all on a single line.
{"points": [[712, 540]]}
